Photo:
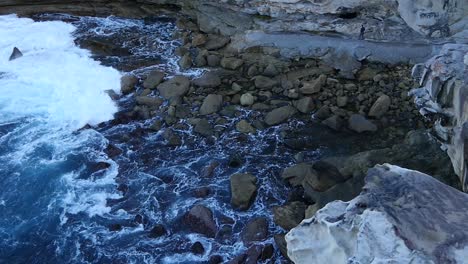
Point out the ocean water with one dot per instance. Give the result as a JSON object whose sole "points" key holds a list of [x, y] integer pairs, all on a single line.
{"points": [[63, 200]]}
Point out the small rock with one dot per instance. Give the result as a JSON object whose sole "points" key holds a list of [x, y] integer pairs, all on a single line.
{"points": [[231, 63], [209, 79], [15, 54], [199, 40], [197, 248], [311, 210], [211, 104], [279, 115], [245, 127], [213, 60], [247, 99], [341, 101], [152, 102], [270, 71], [157, 231], [323, 113], [216, 259], [153, 79], [305, 105], [380, 107], [185, 62], [215, 42], [243, 190], [359, 123], [263, 82], [282, 245], [255, 230]]}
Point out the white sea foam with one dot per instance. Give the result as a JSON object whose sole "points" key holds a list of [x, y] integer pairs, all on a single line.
{"points": [[55, 79]]}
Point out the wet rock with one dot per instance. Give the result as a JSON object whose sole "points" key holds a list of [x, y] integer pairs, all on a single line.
{"points": [[281, 244], [175, 87], [326, 175], [215, 42], [279, 115], [112, 151], [334, 122], [245, 127], [204, 128], [323, 113], [197, 248], [311, 210], [315, 86], [359, 123], [255, 230], [202, 192], [231, 63], [296, 174], [208, 171], [199, 40], [153, 79], [115, 227], [290, 215], [157, 231], [235, 161], [209, 79], [216, 259], [152, 102], [15, 54], [211, 104], [200, 220], [247, 99], [243, 190], [263, 82], [172, 138], [213, 60], [380, 107], [185, 62], [100, 166], [128, 83], [305, 105]]}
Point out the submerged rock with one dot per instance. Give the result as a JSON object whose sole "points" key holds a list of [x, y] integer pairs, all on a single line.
{"points": [[200, 220], [401, 216], [243, 190]]}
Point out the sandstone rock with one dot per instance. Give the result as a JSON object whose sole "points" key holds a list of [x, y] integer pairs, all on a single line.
{"points": [[175, 87], [153, 79], [359, 123], [388, 220], [279, 115], [211, 104], [243, 190], [244, 127], [263, 82], [200, 220], [305, 105], [209, 79], [290, 215], [127, 83], [247, 99], [315, 86], [381, 106], [255, 230], [231, 63]]}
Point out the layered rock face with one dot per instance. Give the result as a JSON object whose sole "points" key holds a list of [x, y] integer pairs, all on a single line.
{"points": [[443, 97], [401, 216]]}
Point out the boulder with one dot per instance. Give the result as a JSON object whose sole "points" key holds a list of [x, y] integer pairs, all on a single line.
{"points": [[279, 115], [247, 99], [151, 102], [243, 190], [211, 104], [199, 40], [231, 63], [185, 62], [295, 175], [401, 216], [359, 123], [315, 86], [245, 127], [175, 87], [128, 83], [290, 215], [215, 42], [153, 79], [209, 80], [305, 105], [204, 128], [263, 82], [323, 176], [380, 107], [200, 220], [255, 230], [213, 60]]}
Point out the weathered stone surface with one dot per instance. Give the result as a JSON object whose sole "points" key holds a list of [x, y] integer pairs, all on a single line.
{"points": [[200, 220], [211, 104], [334, 122], [153, 79], [380, 107], [175, 87], [243, 190], [402, 216], [279, 115]]}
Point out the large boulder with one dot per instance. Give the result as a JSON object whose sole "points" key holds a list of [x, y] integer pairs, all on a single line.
{"points": [[243, 190], [402, 216], [211, 104], [175, 87], [200, 220], [279, 115]]}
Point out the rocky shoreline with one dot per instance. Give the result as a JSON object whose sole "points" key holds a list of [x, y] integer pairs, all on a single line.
{"points": [[359, 118]]}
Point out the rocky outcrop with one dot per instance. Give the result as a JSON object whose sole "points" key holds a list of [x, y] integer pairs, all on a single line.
{"points": [[401, 216], [443, 98]]}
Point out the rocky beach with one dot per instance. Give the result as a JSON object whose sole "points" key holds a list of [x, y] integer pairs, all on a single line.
{"points": [[233, 131]]}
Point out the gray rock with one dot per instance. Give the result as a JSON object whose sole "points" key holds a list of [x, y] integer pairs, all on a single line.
{"points": [[185, 62], [279, 115], [305, 105], [263, 82], [334, 122], [127, 83], [341, 101], [204, 128], [152, 102], [255, 230], [211, 104], [231, 63], [270, 71], [323, 113], [15, 54], [215, 42], [175, 87], [243, 190], [359, 123], [245, 127], [315, 86], [209, 79], [247, 99], [290, 215], [213, 60], [153, 79], [381, 106], [200, 220]]}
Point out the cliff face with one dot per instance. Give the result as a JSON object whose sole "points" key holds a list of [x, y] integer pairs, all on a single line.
{"points": [[401, 216], [390, 20], [443, 96]]}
